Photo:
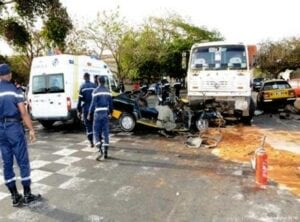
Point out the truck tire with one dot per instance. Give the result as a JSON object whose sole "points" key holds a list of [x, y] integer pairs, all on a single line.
{"points": [[247, 120], [127, 122], [47, 123]]}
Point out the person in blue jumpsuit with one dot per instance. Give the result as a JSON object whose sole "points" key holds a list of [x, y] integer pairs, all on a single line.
{"points": [[84, 102], [12, 138], [101, 106]]}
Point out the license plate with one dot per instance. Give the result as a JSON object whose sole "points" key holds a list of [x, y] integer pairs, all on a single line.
{"points": [[116, 114], [280, 94]]}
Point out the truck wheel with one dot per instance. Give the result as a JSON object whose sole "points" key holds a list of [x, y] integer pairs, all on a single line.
{"points": [[127, 122], [47, 123], [247, 120]]}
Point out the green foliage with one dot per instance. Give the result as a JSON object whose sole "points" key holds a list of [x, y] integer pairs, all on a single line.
{"points": [[54, 30], [32, 8], [15, 33], [275, 57], [19, 68], [17, 26], [3, 59], [107, 33], [157, 48], [17, 29]]}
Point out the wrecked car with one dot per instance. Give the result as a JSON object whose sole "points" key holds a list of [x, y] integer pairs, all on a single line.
{"points": [[132, 108]]}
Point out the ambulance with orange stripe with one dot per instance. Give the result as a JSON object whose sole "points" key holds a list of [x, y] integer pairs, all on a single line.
{"points": [[54, 85]]}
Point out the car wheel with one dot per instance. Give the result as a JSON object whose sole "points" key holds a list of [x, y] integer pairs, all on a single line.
{"points": [[127, 122], [202, 124], [47, 123]]}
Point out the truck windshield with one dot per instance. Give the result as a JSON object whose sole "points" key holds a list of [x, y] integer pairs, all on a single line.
{"points": [[50, 83], [226, 57]]}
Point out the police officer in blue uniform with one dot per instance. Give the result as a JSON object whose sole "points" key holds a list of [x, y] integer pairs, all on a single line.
{"points": [[84, 102], [12, 138], [101, 106]]}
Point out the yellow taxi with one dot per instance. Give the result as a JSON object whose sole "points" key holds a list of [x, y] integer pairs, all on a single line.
{"points": [[275, 94]]}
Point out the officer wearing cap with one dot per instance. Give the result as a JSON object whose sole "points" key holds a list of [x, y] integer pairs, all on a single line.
{"points": [[84, 102], [101, 106], [12, 137]]}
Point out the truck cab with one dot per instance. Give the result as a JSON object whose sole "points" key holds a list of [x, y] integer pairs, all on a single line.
{"points": [[221, 71]]}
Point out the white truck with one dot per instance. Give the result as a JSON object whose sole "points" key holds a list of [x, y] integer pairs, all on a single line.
{"points": [[54, 85], [221, 71]]}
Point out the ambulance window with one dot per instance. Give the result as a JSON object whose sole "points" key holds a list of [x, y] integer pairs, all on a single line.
{"points": [[56, 83], [114, 85], [39, 84]]}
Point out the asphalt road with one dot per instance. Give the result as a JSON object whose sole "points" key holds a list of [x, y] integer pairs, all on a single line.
{"points": [[146, 178]]}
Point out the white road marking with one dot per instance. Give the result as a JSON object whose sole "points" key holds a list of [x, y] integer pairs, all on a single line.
{"points": [[67, 160], [40, 188], [71, 171], [3, 195], [75, 183], [35, 164], [65, 152], [37, 175]]}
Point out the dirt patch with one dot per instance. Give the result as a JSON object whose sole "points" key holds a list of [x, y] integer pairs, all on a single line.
{"points": [[239, 144]]}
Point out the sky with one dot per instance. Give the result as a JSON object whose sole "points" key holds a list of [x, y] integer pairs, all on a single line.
{"points": [[249, 21]]}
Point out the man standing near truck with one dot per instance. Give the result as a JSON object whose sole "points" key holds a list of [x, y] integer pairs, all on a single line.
{"points": [[84, 102]]}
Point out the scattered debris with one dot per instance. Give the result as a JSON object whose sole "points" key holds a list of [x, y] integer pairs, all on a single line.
{"points": [[207, 139], [258, 112], [193, 142]]}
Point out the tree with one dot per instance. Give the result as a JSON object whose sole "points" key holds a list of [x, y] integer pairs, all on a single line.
{"points": [[107, 33], [19, 68], [17, 26], [157, 47], [275, 57], [77, 43]]}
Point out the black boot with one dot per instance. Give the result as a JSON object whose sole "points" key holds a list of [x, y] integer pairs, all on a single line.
{"points": [[91, 144], [105, 152], [29, 197], [17, 198], [99, 146]]}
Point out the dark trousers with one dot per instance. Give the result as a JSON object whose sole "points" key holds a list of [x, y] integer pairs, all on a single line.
{"points": [[88, 126], [13, 144], [101, 128]]}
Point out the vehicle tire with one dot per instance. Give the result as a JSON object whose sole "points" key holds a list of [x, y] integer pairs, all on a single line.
{"points": [[247, 120], [201, 124], [127, 122], [47, 123]]}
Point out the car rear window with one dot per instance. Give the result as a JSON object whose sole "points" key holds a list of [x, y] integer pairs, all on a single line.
{"points": [[276, 85]]}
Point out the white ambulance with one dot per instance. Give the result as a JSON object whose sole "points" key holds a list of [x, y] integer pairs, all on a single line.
{"points": [[54, 85]]}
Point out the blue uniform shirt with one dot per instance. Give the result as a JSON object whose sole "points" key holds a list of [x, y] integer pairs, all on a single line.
{"points": [[10, 96], [85, 96], [102, 100]]}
